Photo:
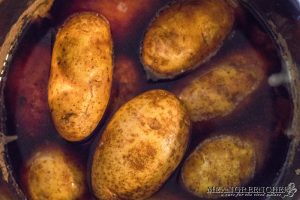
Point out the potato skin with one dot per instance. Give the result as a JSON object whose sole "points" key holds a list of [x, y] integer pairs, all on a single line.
{"points": [[127, 80], [224, 161], [81, 75], [53, 174], [225, 87], [26, 93], [185, 35], [6, 192], [141, 146], [126, 17]]}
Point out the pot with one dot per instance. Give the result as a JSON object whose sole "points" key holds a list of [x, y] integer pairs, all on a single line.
{"points": [[279, 18]]}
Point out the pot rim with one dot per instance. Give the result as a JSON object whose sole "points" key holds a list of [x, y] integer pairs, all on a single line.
{"points": [[39, 9]]}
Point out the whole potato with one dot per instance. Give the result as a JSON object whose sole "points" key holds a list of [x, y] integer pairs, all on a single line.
{"points": [[185, 35], [220, 91], [127, 80], [26, 92], [81, 75], [224, 161], [53, 174], [140, 147], [6, 192], [126, 17]]}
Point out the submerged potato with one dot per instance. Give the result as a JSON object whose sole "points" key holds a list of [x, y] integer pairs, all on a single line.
{"points": [[185, 35], [6, 192], [141, 146], [224, 161], [126, 17], [220, 91], [26, 92], [81, 75], [127, 81], [52, 174]]}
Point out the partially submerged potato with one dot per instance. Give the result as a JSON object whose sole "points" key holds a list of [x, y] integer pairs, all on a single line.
{"points": [[185, 35], [224, 161], [140, 147], [221, 90], [81, 75], [53, 174]]}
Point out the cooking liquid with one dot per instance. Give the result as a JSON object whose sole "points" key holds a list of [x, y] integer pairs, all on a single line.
{"points": [[28, 114]]}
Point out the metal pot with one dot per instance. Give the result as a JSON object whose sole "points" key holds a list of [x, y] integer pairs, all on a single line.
{"points": [[280, 18]]}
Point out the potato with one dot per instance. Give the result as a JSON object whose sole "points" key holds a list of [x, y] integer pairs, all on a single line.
{"points": [[81, 75], [26, 92], [185, 35], [140, 147], [6, 192], [126, 17], [127, 80], [224, 161], [53, 174], [224, 88]]}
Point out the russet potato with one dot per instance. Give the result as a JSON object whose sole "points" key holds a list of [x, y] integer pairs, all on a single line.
{"points": [[223, 161], [52, 173], [184, 35], [141, 146], [226, 86], [81, 75]]}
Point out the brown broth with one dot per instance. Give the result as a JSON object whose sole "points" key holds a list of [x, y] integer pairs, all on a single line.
{"points": [[28, 115]]}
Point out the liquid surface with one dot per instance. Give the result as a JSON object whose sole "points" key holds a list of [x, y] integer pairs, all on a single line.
{"points": [[28, 114]]}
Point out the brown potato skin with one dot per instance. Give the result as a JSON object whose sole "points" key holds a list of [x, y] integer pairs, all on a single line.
{"points": [[140, 147], [226, 86], [223, 161], [81, 75], [184, 35], [53, 173]]}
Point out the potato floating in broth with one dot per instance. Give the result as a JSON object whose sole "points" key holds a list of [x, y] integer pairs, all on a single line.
{"points": [[52, 173], [81, 75], [224, 161], [184, 35], [141, 146], [230, 82]]}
